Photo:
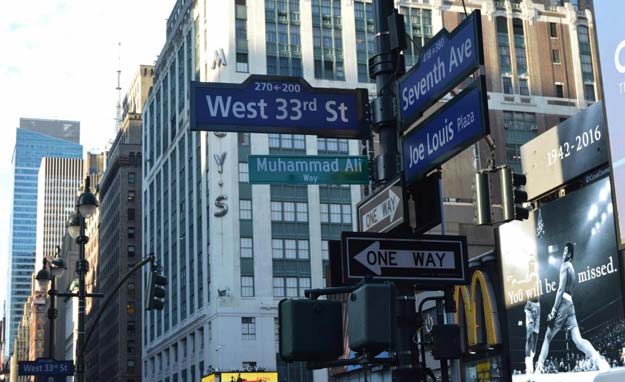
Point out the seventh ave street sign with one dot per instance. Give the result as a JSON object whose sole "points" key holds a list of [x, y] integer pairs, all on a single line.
{"points": [[429, 260]]}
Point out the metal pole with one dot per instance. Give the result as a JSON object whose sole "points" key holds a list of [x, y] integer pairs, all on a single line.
{"points": [[383, 66], [440, 319], [51, 317], [82, 302]]}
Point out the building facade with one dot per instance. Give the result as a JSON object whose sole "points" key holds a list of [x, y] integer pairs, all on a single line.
{"points": [[58, 181], [231, 250], [115, 353], [35, 139]]}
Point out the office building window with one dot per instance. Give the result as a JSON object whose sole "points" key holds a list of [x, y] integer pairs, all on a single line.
{"points": [[519, 46], [585, 53], [327, 40], [246, 247], [243, 172], [418, 30], [248, 328], [553, 30], [289, 211], [503, 45], [507, 85], [290, 286], [589, 92], [559, 90], [247, 286], [245, 209], [287, 141], [365, 44], [332, 146], [336, 213], [325, 251], [290, 249], [524, 88], [519, 121], [242, 64], [555, 56], [131, 232], [282, 37], [132, 178], [131, 250]]}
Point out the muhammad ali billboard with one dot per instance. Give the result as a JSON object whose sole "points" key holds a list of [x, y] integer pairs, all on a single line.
{"points": [[611, 43], [562, 288]]}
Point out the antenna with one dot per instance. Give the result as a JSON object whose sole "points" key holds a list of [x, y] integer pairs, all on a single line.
{"points": [[118, 106]]}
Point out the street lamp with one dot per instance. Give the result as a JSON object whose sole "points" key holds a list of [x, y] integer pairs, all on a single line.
{"points": [[51, 270], [85, 207]]}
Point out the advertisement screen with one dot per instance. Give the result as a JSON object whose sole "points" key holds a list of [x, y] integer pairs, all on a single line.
{"points": [[562, 288], [611, 43]]}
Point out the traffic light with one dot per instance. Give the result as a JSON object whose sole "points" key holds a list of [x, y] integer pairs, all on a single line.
{"points": [[512, 197], [156, 291], [310, 330], [371, 317], [481, 189]]}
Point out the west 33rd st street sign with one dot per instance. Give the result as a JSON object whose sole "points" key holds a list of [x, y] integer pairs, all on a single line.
{"points": [[273, 104]]}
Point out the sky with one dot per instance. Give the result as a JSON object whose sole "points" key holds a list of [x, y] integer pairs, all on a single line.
{"points": [[59, 60]]}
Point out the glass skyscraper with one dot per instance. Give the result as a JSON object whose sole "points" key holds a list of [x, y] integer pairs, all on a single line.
{"points": [[35, 139]]}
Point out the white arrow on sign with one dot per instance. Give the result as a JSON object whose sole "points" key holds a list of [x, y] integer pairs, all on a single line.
{"points": [[386, 209], [375, 258]]}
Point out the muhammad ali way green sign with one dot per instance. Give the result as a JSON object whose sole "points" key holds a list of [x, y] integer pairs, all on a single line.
{"points": [[308, 169]]}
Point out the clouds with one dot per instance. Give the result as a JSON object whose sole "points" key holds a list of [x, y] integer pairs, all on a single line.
{"points": [[58, 59]]}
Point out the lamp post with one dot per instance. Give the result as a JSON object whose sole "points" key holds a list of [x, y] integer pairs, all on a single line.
{"points": [[86, 206], [51, 270]]}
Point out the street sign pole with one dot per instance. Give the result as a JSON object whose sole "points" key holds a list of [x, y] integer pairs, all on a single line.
{"points": [[384, 66]]}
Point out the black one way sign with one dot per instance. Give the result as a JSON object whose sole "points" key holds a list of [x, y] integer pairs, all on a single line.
{"points": [[429, 260]]}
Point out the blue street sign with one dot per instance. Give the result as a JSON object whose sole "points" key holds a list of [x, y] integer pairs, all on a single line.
{"points": [[272, 104], [444, 62], [49, 378], [46, 367], [454, 127]]}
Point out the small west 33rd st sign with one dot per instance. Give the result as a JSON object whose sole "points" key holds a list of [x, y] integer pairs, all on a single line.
{"points": [[308, 169], [444, 62], [429, 260], [274, 104]]}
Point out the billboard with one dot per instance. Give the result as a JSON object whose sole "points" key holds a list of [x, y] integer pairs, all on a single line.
{"points": [[611, 42], [562, 288], [565, 151]]}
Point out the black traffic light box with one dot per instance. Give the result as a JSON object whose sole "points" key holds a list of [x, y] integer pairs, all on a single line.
{"points": [[310, 330], [512, 195], [156, 291]]}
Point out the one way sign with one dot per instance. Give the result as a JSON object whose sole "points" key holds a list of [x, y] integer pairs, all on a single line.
{"points": [[382, 211], [430, 260]]}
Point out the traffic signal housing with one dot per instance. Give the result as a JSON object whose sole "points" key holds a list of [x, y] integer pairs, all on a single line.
{"points": [[512, 196], [310, 330], [481, 188], [157, 284]]}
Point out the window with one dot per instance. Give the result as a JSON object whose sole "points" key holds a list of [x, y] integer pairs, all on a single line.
{"points": [[131, 214], [325, 250], [555, 56], [553, 30], [244, 139], [559, 90], [290, 249], [277, 249], [248, 328], [131, 178], [519, 121], [507, 85], [589, 92], [287, 141], [302, 212], [243, 172], [131, 250], [347, 213], [245, 209], [247, 248], [289, 212], [503, 45], [131, 232], [247, 286], [332, 145], [524, 88], [290, 286], [131, 195]]}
